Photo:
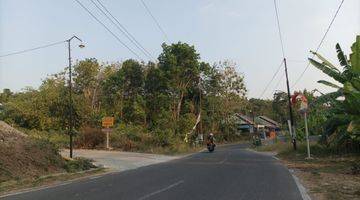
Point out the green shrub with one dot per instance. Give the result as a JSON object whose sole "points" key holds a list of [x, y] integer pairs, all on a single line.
{"points": [[59, 139], [162, 137], [128, 137], [78, 164]]}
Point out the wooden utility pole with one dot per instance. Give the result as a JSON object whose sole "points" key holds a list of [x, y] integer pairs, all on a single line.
{"points": [[292, 122]]}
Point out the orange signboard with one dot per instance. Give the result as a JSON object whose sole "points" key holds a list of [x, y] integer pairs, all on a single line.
{"points": [[108, 122]]}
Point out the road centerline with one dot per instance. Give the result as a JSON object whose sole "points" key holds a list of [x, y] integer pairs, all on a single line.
{"points": [[161, 190]]}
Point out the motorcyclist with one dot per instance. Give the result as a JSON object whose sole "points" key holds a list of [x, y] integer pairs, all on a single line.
{"points": [[210, 138], [210, 142]]}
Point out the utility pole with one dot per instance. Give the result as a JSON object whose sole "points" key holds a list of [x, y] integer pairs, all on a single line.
{"points": [[71, 114], [201, 128], [292, 122]]}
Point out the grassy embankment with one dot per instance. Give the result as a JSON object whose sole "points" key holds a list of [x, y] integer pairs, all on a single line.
{"points": [[327, 175], [27, 162]]}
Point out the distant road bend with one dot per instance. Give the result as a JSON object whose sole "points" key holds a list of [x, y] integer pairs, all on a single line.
{"points": [[231, 172]]}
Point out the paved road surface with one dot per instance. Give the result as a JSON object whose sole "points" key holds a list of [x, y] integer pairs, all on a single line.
{"points": [[229, 173], [118, 160]]}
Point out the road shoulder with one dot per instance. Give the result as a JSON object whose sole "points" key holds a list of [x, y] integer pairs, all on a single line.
{"points": [[302, 189]]}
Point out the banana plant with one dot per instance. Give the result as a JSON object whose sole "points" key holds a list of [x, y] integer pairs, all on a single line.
{"points": [[345, 101]]}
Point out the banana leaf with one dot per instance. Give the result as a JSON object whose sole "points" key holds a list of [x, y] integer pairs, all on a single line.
{"points": [[329, 71], [341, 56], [329, 97], [352, 99], [355, 56], [325, 61], [327, 83]]}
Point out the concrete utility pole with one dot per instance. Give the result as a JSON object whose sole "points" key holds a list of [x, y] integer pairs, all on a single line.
{"points": [[307, 135], [292, 122], [71, 117]]}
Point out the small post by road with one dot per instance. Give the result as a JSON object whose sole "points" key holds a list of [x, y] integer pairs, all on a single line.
{"points": [[303, 109], [107, 122], [307, 136]]}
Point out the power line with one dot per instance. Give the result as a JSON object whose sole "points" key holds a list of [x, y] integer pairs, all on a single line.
{"points": [[277, 71], [279, 28], [292, 122], [278, 83], [121, 28], [32, 49], [321, 42], [112, 33], [156, 22]]}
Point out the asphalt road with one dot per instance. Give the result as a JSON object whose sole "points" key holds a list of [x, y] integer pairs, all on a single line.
{"points": [[230, 172]]}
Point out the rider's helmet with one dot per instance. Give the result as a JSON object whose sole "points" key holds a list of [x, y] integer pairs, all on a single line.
{"points": [[211, 134]]}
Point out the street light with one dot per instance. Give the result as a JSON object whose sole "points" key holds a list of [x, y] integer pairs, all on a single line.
{"points": [[71, 119]]}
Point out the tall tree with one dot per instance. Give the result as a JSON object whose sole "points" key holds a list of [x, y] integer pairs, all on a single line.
{"points": [[180, 64]]}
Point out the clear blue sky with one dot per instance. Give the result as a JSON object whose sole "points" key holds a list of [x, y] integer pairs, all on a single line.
{"points": [[243, 31]]}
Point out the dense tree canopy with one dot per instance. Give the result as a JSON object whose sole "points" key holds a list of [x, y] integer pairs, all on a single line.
{"points": [[164, 98]]}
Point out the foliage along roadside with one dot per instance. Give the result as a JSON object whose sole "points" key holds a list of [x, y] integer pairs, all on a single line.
{"points": [[161, 101], [343, 127]]}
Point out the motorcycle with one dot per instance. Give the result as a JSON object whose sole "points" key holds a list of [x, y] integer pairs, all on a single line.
{"points": [[211, 146]]}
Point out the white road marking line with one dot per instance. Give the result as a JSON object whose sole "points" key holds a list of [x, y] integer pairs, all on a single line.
{"points": [[161, 190], [34, 190], [276, 158], [223, 161], [302, 189], [95, 177]]}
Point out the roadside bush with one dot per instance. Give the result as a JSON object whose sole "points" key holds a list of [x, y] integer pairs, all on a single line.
{"points": [[162, 137], [78, 164], [90, 138], [59, 139], [128, 137]]}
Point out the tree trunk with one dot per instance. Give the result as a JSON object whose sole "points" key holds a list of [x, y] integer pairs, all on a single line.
{"points": [[179, 105], [93, 98]]}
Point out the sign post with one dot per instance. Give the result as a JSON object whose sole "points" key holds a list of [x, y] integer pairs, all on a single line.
{"points": [[303, 109], [107, 122], [307, 135]]}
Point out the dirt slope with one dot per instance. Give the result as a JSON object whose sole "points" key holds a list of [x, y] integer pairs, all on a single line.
{"points": [[22, 157]]}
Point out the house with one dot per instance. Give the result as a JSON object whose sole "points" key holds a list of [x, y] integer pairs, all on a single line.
{"points": [[259, 124], [245, 123], [268, 123]]}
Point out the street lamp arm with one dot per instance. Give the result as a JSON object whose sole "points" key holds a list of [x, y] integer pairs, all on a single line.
{"points": [[75, 38]]}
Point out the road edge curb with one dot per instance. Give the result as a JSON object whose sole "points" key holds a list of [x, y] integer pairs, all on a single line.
{"points": [[302, 189]]}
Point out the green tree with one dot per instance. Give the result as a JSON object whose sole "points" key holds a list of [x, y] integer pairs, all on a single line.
{"points": [[345, 124], [181, 68]]}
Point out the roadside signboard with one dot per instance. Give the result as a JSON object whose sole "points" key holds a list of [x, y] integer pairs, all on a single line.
{"points": [[108, 122]]}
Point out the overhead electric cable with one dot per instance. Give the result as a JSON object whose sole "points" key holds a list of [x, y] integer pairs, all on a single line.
{"points": [[156, 22], [32, 49], [279, 29], [277, 71], [282, 48], [278, 83], [122, 29], [321, 42], [112, 33]]}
